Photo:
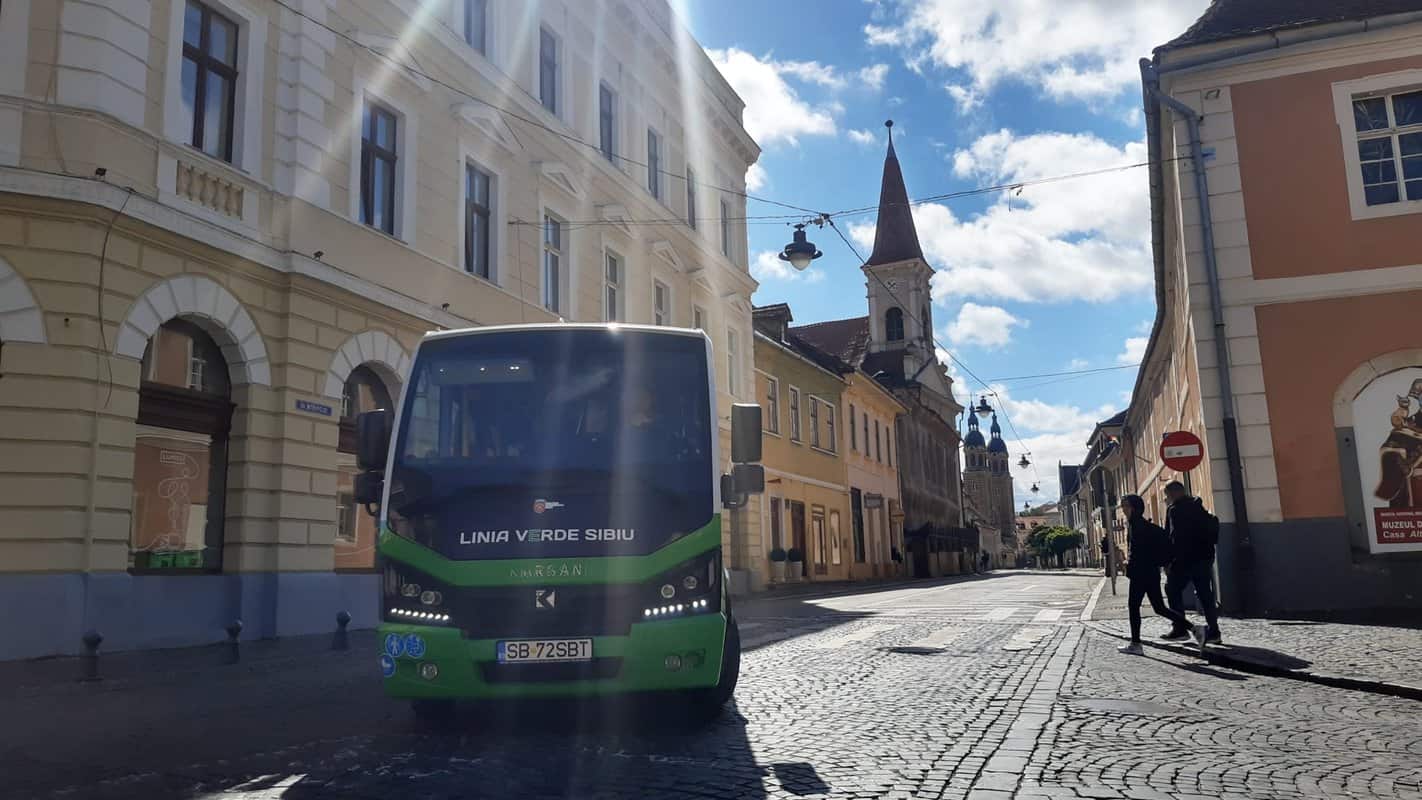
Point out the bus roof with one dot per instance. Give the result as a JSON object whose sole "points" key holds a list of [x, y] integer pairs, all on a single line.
{"points": [[558, 326]]}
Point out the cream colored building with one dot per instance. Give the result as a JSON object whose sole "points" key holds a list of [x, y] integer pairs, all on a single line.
{"points": [[875, 508], [193, 305]]}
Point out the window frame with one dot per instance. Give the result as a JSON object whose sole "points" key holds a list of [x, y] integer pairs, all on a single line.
{"points": [[656, 164], [726, 229], [615, 289], [772, 397], [831, 426], [878, 443], [467, 18], [370, 151], [1344, 94], [661, 313], [698, 317], [815, 422], [691, 197], [607, 122], [471, 209], [733, 362], [894, 313], [853, 433], [205, 62], [549, 97], [247, 114], [797, 429], [551, 292]]}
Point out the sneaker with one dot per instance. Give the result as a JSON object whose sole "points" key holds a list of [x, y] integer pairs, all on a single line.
{"points": [[1132, 649], [1175, 635], [1213, 636]]}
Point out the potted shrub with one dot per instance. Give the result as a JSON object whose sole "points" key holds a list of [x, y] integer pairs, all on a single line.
{"points": [[777, 564], [796, 566]]}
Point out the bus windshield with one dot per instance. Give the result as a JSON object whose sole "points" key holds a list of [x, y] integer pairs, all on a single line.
{"points": [[563, 442]]}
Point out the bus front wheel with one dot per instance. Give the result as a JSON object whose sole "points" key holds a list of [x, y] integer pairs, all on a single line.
{"points": [[709, 702]]}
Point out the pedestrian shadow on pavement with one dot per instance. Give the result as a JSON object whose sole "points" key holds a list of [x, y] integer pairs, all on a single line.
{"points": [[1201, 669], [1262, 656], [799, 778]]}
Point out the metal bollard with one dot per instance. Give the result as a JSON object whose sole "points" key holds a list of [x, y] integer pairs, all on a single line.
{"points": [[90, 659], [231, 654], [341, 640]]}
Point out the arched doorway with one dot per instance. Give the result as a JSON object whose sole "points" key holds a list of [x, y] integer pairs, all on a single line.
{"points": [[180, 452], [355, 530]]}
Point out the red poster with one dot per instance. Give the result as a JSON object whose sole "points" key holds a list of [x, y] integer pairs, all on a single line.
{"points": [[1398, 525]]}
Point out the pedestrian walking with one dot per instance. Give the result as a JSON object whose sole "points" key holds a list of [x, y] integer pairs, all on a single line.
{"points": [[1193, 533], [1149, 550], [985, 561]]}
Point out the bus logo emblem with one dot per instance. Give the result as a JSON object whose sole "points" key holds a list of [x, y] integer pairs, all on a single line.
{"points": [[545, 598], [540, 506]]}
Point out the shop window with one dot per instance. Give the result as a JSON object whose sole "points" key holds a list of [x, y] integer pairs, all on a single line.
{"points": [[355, 529], [180, 452]]}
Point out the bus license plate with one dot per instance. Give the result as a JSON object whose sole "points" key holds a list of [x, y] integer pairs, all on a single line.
{"points": [[535, 650]]}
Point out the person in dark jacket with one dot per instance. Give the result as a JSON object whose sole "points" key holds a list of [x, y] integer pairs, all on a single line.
{"points": [[1193, 534], [1148, 550]]}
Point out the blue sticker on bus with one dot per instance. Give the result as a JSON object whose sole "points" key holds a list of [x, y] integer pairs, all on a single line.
{"points": [[414, 645], [394, 645], [387, 666]]}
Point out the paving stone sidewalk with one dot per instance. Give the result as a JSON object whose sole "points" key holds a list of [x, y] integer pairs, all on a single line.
{"points": [[1375, 658]]}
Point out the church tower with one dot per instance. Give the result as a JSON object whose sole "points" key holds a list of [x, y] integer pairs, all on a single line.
{"points": [[900, 298], [999, 496]]}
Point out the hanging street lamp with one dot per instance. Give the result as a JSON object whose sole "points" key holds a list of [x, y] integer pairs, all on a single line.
{"points": [[982, 409], [801, 251], [1024, 463]]}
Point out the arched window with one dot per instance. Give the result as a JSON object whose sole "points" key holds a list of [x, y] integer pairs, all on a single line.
{"points": [[180, 452], [894, 325], [927, 323], [355, 529]]}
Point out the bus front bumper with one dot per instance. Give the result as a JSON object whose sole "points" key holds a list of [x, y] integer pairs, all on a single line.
{"points": [[663, 655]]}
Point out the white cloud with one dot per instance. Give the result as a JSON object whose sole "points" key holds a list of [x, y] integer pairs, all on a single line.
{"points": [[1134, 352], [988, 326], [767, 267], [1145, 325], [862, 137], [1053, 433], [756, 178], [1078, 363], [775, 112], [966, 97], [1081, 239], [872, 77], [1048, 450], [1084, 49]]}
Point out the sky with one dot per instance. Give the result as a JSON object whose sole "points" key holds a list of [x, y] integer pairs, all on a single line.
{"points": [[1052, 277]]}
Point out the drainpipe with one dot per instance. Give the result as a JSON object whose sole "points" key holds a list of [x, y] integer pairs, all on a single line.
{"points": [[1243, 560]]}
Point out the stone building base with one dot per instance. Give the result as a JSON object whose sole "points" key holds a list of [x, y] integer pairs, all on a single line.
{"points": [[47, 614]]}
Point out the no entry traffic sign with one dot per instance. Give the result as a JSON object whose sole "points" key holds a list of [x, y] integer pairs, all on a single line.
{"points": [[1182, 451]]}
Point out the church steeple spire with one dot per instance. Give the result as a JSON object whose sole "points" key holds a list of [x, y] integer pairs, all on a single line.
{"points": [[895, 237]]}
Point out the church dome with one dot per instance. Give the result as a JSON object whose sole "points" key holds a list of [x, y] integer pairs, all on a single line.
{"points": [[974, 439], [997, 445]]}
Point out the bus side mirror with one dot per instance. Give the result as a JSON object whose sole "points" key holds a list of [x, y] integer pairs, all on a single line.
{"points": [[368, 487], [372, 440], [745, 433]]}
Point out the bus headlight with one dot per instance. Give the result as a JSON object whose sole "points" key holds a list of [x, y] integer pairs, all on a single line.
{"points": [[414, 597], [688, 589]]}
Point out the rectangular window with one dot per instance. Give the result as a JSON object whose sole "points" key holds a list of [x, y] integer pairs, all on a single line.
{"points": [[691, 198], [777, 532], [476, 25], [772, 405], [377, 168], [196, 366], [867, 447], [889, 443], [831, 428], [209, 79], [814, 421], [552, 263], [698, 318], [654, 163], [853, 436], [733, 363], [878, 444], [661, 304], [548, 70], [817, 526], [1389, 129], [607, 122], [834, 538], [478, 225], [725, 228], [612, 283], [794, 414]]}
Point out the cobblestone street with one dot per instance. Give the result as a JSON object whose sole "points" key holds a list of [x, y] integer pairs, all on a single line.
{"points": [[985, 688]]}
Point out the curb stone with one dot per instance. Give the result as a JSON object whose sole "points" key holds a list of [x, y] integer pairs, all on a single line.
{"points": [[1226, 659]]}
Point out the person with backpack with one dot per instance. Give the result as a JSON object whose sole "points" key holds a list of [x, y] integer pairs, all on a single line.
{"points": [[1149, 550], [1193, 532]]}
